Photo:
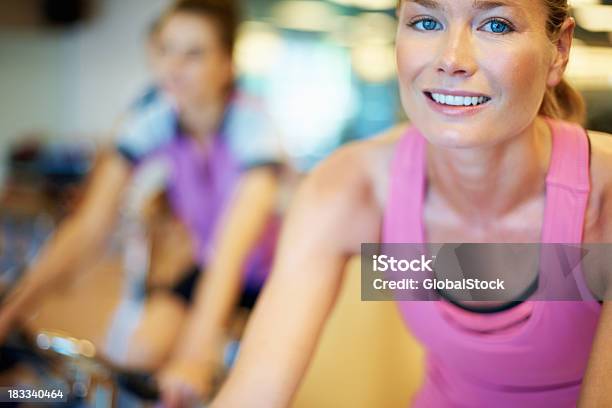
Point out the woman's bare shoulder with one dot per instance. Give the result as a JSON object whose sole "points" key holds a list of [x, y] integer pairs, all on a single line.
{"points": [[601, 157], [358, 165], [601, 140], [601, 177], [348, 186]]}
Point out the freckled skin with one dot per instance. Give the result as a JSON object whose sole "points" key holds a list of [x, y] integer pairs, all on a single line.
{"points": [[511, 68]]}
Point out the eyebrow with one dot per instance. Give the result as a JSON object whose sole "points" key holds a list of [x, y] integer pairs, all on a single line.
{"points": [[432, 4], [490, 4], [478, 4]]}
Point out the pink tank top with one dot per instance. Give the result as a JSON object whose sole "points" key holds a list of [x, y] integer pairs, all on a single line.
{"points": [[532, 355]]}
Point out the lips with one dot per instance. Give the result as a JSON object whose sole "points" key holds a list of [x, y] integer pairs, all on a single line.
{"points": [[458, 99], [456, 104]]}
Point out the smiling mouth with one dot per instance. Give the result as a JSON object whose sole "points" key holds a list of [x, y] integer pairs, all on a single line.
{"points": [[457, 100]]}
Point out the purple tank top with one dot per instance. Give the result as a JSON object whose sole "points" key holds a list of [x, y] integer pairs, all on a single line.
{"points": [[200, 189], [532, 355]]}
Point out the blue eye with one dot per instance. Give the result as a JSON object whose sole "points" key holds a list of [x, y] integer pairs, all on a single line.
{"points": [[498, 27], [426, 24]]}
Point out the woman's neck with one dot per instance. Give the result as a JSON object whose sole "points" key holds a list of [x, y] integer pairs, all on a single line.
{"points": [[484, 184], [203, 120]]}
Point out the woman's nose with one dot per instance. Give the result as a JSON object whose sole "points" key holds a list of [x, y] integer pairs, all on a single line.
{"points": [[174, 63], [456, 56]]}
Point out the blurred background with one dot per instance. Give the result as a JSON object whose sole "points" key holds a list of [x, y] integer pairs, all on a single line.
{"points": [[324, 69], [71, 67]]}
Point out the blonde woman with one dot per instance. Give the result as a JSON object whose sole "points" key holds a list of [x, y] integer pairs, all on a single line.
{"points": [[494, 153]]}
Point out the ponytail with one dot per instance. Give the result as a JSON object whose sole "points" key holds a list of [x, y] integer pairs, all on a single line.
{"points": [[565, 103], [561, 102]]}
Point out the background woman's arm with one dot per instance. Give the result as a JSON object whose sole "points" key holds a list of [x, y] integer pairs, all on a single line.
{"points": [[75, 240], [196, 356]]}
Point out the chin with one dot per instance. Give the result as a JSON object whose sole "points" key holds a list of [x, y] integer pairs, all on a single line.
{"points": [[457, 137]]}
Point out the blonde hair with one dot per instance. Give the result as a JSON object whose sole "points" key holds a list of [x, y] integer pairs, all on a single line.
{"points": [[563, 101]]}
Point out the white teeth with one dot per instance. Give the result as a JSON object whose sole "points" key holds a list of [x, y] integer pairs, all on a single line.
{"points": [[458, 100]]}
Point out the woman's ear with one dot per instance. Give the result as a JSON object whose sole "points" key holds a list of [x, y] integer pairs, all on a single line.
{"points": [[563, 45]]}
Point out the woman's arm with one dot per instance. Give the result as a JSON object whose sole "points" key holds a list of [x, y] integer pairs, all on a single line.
{"points": [[75, 240], [331, 216], [196, 356], [597, 385]]}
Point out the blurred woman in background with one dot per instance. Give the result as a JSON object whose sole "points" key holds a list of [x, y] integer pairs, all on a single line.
{"points": [[495, 153], [222, 160]]}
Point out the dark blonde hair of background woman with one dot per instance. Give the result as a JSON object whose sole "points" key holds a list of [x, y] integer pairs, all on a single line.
{"points": [[223, 13]]}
